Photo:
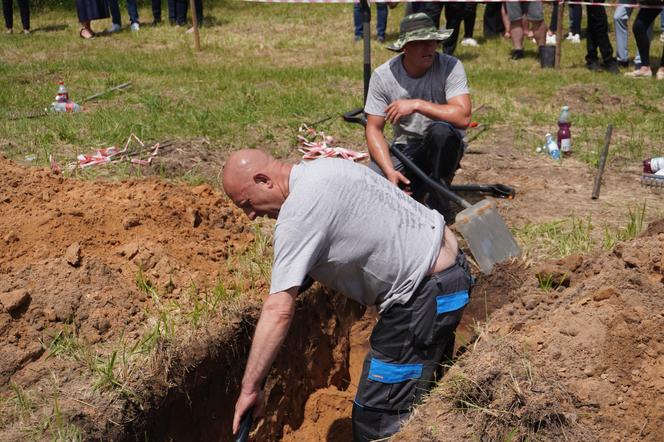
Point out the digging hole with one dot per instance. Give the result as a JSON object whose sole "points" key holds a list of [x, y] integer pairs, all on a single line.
{"points": [[312, 383]]}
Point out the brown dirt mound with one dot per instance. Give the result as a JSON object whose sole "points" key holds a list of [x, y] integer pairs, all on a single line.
{"points": [[71, 250], [583, 361]]}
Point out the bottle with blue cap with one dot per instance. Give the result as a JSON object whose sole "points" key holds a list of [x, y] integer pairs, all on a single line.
{"points": [[552, 147]]}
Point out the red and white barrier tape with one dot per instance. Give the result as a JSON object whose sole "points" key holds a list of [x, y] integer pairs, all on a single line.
{"points": [[631, 5], [111, 155], [316, 145]]}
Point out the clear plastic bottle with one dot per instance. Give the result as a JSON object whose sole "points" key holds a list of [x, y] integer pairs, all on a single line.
{"points": [[552, 147], [70, 106], [63, 94], [564, 137], [653, 165]]}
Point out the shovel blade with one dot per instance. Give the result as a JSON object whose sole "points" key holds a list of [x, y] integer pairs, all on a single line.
{"points": [[487, 235]]}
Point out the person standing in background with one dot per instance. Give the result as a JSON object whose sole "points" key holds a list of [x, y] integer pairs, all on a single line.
{"points": [[87, 11], [454, 12], [132, 9], [198, 4], [8, 11], [381, 21], [156, 12], [469, 16]]}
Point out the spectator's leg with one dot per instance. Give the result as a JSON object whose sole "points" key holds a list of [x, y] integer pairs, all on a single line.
{"points": [[553, 26], [506, 20], [132, 9], [357, 21], [24, 8], [381, 20], [620, 19], [156, 11], [515, 14], [575, 14], [491, 22], [433, 10], [8, 12], [644, 19], [469, 17], [116, 16], [453, 19], [535, 16], [181, 12], [600, 24], [171, 11]]}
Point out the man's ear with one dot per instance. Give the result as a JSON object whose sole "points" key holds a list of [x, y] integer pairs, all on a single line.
{"points": [[261, 178]]}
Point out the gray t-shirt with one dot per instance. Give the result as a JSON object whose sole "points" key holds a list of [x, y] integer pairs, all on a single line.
{"points": [[390, 82], [355, 232]]}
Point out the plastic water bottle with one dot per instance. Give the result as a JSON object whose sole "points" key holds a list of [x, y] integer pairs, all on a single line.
{"points": [[69, 106], [653, 165], [552, 147], [564, 134], [63, 94]]}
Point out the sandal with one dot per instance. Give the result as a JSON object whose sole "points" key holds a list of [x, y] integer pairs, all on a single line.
{"points": [[86, 33]]}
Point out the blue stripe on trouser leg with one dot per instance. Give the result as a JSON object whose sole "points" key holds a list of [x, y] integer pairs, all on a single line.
{"points": [[388, 373], [451, 302]]}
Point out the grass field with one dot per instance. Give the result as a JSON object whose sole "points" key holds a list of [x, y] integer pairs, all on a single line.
{"points": [[267, 68]]}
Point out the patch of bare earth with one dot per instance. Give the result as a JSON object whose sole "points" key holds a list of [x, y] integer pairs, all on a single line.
{"points": [[581, 361]]}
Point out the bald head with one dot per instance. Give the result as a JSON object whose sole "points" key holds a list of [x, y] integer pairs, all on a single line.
{"points": [[241, 166], [256, 182]]}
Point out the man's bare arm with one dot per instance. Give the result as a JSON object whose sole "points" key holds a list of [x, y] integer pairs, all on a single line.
{"points": [[379, 149], [457, 111], [271, 331]]}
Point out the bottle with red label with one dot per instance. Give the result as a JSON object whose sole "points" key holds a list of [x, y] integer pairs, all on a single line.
{"points": [[653, 165], [564, 134], [63, 94]]}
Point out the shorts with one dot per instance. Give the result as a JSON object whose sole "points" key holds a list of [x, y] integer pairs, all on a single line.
{"points": [[532, 10], [410, 345]]}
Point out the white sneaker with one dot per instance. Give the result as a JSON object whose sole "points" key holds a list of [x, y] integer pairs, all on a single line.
{"points": [[551, 39], [469, 42], [135, 26], [114, 28], [575, 38]]}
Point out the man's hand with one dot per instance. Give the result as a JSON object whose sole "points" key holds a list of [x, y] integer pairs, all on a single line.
{"points": [[249, 398], [400, 108], [395, 177]]}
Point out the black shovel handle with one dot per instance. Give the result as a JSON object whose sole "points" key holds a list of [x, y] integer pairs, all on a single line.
{"points": [[498, 190], [245, 426], [433, 185], [356, 116]]}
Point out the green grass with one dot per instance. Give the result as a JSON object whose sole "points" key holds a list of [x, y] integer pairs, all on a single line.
{"points": [[267, 68], [563, 237]]}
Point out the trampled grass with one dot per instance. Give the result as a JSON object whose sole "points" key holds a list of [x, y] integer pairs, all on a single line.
{"points": [[267, 68]]}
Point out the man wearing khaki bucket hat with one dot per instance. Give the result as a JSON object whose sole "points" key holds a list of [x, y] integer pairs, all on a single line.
{"points": [[424, 95]]}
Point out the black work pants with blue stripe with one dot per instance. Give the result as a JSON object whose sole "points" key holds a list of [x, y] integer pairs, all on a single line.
{"points": [[410, 347]]}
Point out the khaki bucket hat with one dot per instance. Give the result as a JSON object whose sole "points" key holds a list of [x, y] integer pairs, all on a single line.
{"points": [[418, 27]]}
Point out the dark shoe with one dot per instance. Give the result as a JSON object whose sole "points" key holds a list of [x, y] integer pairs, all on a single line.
{"points": [[612, 67], [623, 64], [517, 54], [357, 38], [593, 65], [156, 22], [380, 40]]}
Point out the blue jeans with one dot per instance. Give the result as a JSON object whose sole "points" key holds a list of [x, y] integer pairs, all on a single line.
{"points": [[381, 19], [620, 19], [116, 17]]}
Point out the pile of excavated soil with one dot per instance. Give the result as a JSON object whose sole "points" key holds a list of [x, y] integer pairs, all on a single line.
{"points": [[71, 251], [581, 359]]}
